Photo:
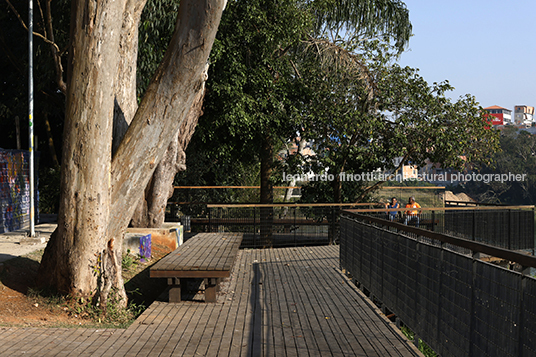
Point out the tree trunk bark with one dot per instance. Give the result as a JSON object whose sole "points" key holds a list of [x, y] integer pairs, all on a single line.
{"points": [[83, 257], [74, 258], [126, 103], [151, 211], [164, 107], [266, 194]]}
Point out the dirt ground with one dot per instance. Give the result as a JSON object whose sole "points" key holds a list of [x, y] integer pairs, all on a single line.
{"points": [[21, 306], [18, 307]]}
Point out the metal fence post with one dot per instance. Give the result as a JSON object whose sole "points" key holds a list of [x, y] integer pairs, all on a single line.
{"points": [[509, 229], [472, 314], [210, 220], [473, 233], [254, 227], [295, 229], [333, 225], [521, 326]]}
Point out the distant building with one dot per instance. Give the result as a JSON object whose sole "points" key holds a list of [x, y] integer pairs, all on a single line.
{"points": [[524, 115], [501, 116]]}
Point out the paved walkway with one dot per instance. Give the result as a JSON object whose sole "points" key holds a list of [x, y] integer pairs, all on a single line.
{"points": [[15, 244], [279, 302]]}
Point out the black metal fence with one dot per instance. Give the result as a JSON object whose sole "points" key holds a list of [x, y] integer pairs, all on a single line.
{"points": [[509, 227], [459, 305], [274, 225]]}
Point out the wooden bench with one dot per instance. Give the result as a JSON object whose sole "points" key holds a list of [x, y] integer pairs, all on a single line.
{"points": [[206, 255]]}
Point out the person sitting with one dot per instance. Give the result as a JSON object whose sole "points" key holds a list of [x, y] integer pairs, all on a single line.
{"points": [[391, 215], [412, 216]]}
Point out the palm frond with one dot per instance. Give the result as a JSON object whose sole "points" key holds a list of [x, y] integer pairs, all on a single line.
{"points": [[371, 18]]}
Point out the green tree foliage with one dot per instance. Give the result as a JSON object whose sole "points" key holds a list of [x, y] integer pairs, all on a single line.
{"points": [[252, 93], [517, 156], [255, 106], [361, 119], [156, 27]]}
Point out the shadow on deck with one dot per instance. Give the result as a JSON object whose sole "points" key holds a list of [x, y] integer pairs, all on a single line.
{"points": [[278, 302]]}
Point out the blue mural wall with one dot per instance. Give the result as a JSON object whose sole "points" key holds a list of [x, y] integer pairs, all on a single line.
{"points": [[15, 190]]}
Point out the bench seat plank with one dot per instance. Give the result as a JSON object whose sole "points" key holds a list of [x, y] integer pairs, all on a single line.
{"points": [[206, 255]]}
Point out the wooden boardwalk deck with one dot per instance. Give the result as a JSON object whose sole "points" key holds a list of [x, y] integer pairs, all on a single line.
{"points": [[279, 302]]}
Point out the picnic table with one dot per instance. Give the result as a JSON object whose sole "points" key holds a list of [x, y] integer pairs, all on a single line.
{"points": [[209, 256]]}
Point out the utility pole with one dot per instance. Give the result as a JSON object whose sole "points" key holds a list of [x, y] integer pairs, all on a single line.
{"points": [[30, 117]]}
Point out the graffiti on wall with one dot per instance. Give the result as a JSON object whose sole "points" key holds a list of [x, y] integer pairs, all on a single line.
{"points": [[15, 190]]}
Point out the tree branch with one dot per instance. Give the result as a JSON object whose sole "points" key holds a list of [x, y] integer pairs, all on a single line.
{"points": [[26, 27], [56, 54], [379, 183]]}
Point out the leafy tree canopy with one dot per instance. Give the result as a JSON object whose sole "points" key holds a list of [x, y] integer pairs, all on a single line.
{"points": [[518, 157], [361, 120]]}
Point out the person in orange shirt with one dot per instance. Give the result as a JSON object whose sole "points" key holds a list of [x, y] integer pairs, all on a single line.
{"points": [[412, 216]]}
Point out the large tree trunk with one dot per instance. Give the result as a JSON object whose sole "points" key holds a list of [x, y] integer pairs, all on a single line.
{"points": [[73, 259], [151, 211], [83, 257]]}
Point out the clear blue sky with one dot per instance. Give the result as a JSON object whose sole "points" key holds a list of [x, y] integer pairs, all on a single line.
{"points": [[483, 47]]}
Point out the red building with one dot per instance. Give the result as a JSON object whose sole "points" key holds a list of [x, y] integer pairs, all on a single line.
{"points": [[501, 116]]}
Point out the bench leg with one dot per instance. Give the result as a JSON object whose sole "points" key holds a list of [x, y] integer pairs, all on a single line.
{"points": [[211, 287], [174, 289]]}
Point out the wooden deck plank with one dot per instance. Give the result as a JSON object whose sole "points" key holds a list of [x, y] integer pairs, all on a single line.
{"points": [[190, 328], [341, 308], [308, 301], [67, 343], [239, 342], [313, 336], [48, 348], [208, 337], [268, 343], [108, 342], [202, 327], [136, 335], [258, 323], [70, 349], [338, 319], [17, 340], [91, 344], [357, 306], [279, 307], [289, 327], [350, 343], [379, 336], [165, 330], [279, 347], [225, 316], [232, 325], [304, 301], [251, 305], [180, 327], [150, 324], [7, 334]]}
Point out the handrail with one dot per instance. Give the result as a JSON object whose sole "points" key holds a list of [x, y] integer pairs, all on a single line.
{"points": [[523, 259], [478, 208], [250, 205], [281, 187], [213, 187], [474, 203]]}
